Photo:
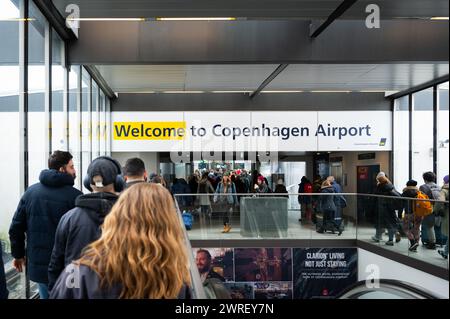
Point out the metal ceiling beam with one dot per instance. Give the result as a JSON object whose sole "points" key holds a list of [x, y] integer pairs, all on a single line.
{"points": [[56, 19], [344, 6], [254, 42], [95, 74], [269, 79], [423, 86]]}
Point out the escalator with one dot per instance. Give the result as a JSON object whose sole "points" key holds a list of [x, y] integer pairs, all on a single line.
{"points": [[387, 289]]}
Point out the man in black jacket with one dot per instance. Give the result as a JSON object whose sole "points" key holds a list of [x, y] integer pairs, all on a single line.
{"points": [[81, 226], [37, 216], [135, 172]]}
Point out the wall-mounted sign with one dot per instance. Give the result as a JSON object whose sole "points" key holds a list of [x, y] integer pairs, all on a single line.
{"points": [[251, 131], [366, 156]]}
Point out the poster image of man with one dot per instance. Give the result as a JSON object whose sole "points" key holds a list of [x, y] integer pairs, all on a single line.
{"points": [[273, 290], [263, 264], [215, 263], [240, 290]]}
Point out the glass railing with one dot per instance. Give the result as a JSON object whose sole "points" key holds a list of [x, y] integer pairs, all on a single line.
{"points": [[386, 221]]}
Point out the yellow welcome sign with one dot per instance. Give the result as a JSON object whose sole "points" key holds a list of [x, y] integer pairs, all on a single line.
{"points": [[161, 131]]}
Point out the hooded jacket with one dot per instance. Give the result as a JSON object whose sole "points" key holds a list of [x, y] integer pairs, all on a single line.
{"points": [[36, 218], [410, 192], [77, 229]]}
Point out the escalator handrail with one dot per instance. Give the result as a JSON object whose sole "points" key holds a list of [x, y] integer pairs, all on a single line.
{"points": [[393, 283], [197, 289]]}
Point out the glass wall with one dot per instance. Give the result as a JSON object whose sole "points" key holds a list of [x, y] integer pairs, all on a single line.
{"points": [[401, 141], [102, 125], [75, 121], [95, 122], [10, 190], [86, 124], [428, 125], [38, 121], [59, 118], [442, 132], [422, 133], [45, 105]]}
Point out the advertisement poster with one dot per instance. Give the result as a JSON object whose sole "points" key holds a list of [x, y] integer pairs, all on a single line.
{"points": [[323, 272], [263, 264]]}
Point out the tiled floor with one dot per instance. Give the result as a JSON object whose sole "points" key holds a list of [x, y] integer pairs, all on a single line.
{"points": [[211, 229]]}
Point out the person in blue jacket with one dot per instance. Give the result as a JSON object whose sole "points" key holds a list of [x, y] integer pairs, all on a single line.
{"points": [[37, 216]]}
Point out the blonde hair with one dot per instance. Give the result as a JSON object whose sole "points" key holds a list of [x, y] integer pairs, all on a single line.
{"points": [[141, 246], [326, 183], [383, 180]]}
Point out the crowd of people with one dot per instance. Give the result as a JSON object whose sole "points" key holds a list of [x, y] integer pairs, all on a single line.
{"points": [[420, 213], [124, 239], [121, 240], [223, 189]]}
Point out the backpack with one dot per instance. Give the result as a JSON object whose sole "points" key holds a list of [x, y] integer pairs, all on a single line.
{"points": [[422, 208]]}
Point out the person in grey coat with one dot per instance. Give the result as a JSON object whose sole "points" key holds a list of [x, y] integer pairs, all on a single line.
{"points": [[204, 190]]}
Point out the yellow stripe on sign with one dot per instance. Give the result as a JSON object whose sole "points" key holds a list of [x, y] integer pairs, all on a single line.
{"points": [[160, 131]]}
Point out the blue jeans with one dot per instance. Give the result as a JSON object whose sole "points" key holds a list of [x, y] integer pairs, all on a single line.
{"points": [[3, 290], [43, 291]]}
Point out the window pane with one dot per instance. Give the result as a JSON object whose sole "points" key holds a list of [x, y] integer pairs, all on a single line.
{"points": [[422, 134], [9, 132], [108, 127], [58, 72], [95, 122], [401, 142], [443, 128], [74, 121], [86, 124], [38, 136], [102, 124]]}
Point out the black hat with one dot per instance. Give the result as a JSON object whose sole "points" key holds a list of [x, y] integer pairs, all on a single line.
{"points": [[105, 167], [411, 183]]}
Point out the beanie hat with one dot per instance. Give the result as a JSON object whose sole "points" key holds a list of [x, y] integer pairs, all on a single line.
{"points": [[105, 167], [446, 179], [411, 183]]}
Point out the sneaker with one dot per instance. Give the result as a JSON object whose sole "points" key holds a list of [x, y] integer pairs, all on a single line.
{"points": [[390, 243], [431, 246], [376, 239], [226, 229], [442, 253], [414, 247], [398, 237]]}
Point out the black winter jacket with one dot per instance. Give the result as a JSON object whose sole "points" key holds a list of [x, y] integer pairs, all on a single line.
{"points": [[36, 218], [327, 202], [387, 217], [88, 286], [77, 229]]}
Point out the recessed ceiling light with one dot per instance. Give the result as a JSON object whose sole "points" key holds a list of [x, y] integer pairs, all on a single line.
{"points": [[106, 19], [197, 19], [439, 18]]}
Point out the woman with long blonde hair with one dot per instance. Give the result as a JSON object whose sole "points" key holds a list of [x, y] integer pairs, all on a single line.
{"points": [[140, 254]]}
